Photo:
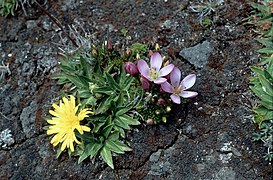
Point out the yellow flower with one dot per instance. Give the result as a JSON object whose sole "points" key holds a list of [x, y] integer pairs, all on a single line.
{"points": [[65, 122]]}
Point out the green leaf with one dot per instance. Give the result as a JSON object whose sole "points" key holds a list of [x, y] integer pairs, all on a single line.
{"points": [[266, 85], [268, 104], [268, 76], [266, 51], [123, 110], [84, 93], [257, 70], [120, 130], [107, 156], [123, 146], [262, 114], [106, 131], [86, 67], [113, 136], [112, 83], [97, 126], [59, 152], [104, 90], [76, 81], [266, 42], [104, 105], [127, 83], [91, 101], [85, 153], [129, 120], [121, 123], [113, 147], [95, 149]]}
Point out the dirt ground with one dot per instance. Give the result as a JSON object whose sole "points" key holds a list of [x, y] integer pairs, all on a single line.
{"points": [[208, 138]]}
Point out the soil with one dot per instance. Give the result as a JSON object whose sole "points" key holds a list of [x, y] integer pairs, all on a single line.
{"points": [[208, 138]]}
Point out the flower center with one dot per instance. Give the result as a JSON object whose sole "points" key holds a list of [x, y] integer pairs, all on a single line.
{"points": [[177, 90], [153, 74]]}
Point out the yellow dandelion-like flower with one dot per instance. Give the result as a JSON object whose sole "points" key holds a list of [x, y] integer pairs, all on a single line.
{"points": [[65, 122]]}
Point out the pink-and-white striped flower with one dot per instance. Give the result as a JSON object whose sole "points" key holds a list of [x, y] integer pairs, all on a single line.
{"points": [[177, 88]]}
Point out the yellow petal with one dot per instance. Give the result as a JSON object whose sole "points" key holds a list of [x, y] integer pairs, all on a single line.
{"points": [[71, 146], [76, 140], [86, 128], [54, 113]]}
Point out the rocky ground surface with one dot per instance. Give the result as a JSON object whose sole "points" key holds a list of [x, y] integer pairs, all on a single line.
{"points": [[209, 138]]}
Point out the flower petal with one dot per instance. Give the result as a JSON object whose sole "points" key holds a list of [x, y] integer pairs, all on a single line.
{"points": [[167, 87], [175, 77], [156, 61], [188, 94], [166, 70], [175, 98], [143, 68], [188, 81], [160, 80]]}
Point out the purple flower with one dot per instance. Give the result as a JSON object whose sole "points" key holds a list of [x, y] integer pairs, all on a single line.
{"points": [[178, 88], [154, 73], [131, 68]]}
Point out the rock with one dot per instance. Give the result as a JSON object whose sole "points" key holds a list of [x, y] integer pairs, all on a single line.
{"points": [[225, 173], [27, 119], [31, 24], [198, 55]]}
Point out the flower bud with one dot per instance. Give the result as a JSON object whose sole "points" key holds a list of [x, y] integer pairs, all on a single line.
{"points": [[137, 56], [145, 84], [164, 119], [128, 51], [168, 109], [160, 101], [149, 122], [131, 68], [157, 112], [157, 48], [94, 52]]}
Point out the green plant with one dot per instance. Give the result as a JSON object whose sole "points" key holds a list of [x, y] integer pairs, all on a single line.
{"points": [[205, 9], [266, 136], [9, 6], [124, 32], [261, 83], [109, 93], [103, 86]]}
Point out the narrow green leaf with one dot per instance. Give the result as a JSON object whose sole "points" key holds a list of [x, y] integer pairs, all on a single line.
{"points": [[123, 110], [114, 136], [268, 104], [123, 146], [95, 149], [120, 130], [85, 153], [127, 83], [112, 83], [107, 156], [85, 67], [266, 50], [266, 85], [266, 42], [113, 147], [97, 126], [104, 105], [104, 90], [129, 120], [121, 123], [106, 131], [257, 70]]}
